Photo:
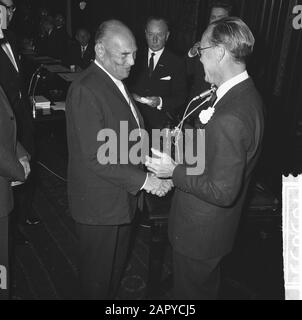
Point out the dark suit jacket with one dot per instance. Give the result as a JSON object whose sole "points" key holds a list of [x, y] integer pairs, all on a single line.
{"points": [[99, 194], [76, 58], [13, 86], [206, 208], [10, 151], [173, 92]]}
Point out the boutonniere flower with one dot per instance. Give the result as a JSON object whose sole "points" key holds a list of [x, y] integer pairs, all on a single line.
{"points": [[206, 115]]}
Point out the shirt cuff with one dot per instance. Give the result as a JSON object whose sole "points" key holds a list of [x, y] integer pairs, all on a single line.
{"points": [[160, 106], [144, 182]]}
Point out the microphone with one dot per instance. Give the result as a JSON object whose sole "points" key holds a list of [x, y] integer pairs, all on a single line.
{"points": [[33, 96], [205, 93], [37, 71], [36, 75]]}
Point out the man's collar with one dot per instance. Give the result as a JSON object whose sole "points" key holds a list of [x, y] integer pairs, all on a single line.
{"points": [[159, 52], [116, 81], [229, 84]]}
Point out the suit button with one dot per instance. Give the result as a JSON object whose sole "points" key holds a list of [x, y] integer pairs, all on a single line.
{"points": [[12, 118]]}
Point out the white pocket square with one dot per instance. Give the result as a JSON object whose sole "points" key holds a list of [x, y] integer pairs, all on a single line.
{"points": [[166, 78]]}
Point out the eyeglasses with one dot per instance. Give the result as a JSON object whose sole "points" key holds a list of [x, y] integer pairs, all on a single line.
{"points": [[199, 50], [11, 9]]}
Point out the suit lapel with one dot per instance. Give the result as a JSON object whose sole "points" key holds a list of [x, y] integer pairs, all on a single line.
{"points": [[160, 63], [140, 119], [116, 91], [13, 47], [233, 91]]}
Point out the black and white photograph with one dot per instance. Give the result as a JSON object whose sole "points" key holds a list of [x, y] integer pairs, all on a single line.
{"points": [[151, 152]]}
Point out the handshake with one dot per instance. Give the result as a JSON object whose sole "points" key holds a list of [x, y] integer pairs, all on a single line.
{"points": [[156, 186], [161, 167]]}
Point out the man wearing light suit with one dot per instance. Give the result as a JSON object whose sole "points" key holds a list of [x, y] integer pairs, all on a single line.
{"points": [[102, 196], [159, 76], [206, 207], [14, 166]]}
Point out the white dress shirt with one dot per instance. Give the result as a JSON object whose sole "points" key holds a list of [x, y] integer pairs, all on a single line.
{"points": [[9, 52], [156, 57]]}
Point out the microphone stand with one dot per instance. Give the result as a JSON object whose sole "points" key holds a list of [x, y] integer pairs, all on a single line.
{"points": [[33, 95], [206, 96], [37, 75]]}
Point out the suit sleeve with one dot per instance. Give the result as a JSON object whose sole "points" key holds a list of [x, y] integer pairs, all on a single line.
{"points": [[10, 167], [178, 93], [21, 152], [225, 163], [86, 117]]}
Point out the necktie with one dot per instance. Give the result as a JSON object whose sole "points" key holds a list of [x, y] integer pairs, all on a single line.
{"points": [[3, 40], [131, 105], [82, 51], [7, 50], [213, 99], [151, 64]]}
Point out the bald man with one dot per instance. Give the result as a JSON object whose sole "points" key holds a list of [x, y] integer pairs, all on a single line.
{"points": [[102, 195]]}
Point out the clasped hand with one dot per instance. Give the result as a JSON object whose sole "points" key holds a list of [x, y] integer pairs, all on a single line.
{"points": [[26, 166], [157, 186], [162, 165]]}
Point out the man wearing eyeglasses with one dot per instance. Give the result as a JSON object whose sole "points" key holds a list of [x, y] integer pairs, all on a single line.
{"points": [[11, 80], [218, 9], [206, 207]]}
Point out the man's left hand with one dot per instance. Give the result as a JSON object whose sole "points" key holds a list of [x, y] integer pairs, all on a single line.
{"points": [[163, 165], [154, 102], [25, 163]]}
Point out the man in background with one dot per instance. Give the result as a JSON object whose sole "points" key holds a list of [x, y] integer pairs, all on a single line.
{"points": [[158, 84], [158, 77], [82, 52], [14, 167], [11, 80]]}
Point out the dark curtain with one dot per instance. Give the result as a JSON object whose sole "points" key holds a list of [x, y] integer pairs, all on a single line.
{"points": [[182, 16], [277, 70]]}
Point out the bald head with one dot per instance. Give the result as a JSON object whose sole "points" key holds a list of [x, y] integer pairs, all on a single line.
{"points": [[112, 28], [115, 48]]}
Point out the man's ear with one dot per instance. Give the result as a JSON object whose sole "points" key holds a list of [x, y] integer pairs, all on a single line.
{"points": [[99, 50], [220, 51], [167, 36]]}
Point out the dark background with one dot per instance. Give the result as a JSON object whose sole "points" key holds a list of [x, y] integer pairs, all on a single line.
{"points": [[276, 64], [277, 71]]}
